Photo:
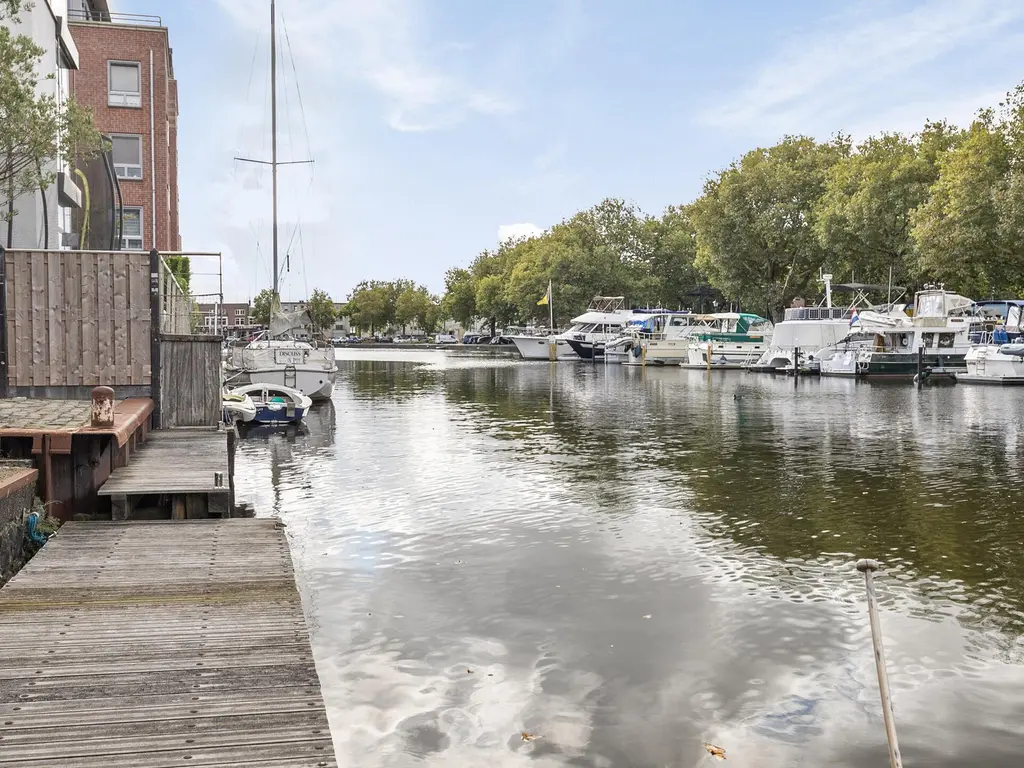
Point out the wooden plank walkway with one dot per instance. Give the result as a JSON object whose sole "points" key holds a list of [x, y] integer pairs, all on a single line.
{"points": [[173, 461], [158, 644]]}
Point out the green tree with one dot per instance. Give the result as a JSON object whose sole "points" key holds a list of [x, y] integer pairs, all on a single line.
{"points": [[863, 219], [321, 311], [261, 306], [35, 130], [755, 222], [370, 306], [459, 301], [970, 229], [416, 305]]}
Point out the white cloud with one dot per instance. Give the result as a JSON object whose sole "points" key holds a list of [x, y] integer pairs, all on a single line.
{"points": [[854, 60], [515, 231], [381, 44]]}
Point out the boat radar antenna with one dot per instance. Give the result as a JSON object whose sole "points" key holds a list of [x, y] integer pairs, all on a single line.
{"points": [[826, 278]]}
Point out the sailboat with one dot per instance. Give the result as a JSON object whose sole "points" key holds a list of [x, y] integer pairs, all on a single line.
{"points": [[277, 357]]}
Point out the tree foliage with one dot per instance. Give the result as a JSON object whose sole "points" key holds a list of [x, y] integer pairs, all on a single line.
{"points": [[756, 240], [941, 205], [181, 268], [321, 311], [378, 305], [262, 305], [35, 130]]}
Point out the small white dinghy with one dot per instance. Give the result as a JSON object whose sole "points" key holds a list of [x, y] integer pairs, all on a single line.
{"points": [[275, 403], [238, 408]]}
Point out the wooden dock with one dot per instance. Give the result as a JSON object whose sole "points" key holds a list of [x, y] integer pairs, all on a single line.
{"points": [[184, 464], [158, 644]]}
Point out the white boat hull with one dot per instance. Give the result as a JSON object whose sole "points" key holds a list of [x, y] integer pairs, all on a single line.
{"points": [[539, 348], [723, 354], [316, 383], [987, 365]]}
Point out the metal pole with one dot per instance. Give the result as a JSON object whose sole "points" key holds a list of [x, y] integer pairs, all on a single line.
{"points": [[273, 134], [867, 567]]}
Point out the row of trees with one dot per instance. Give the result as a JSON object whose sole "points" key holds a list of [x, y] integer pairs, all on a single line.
{"points": [[376, 305], [945, 204]]}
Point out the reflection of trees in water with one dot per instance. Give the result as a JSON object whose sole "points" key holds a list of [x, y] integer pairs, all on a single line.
{"points": [[825, 473], [386, 380]]}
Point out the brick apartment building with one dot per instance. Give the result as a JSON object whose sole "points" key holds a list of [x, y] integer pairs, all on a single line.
{"points": [[233, 317], [126, 76]]}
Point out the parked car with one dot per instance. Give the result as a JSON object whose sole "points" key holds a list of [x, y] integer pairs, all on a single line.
{"points": [[445, 338], [502, 340], [482, 339], [469, 338]]}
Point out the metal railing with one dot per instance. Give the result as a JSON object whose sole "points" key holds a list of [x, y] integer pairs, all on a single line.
{"points": [[177, 308], [131, 19]]}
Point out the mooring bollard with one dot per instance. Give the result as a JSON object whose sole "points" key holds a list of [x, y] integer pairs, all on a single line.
{"points": [[867, 567], [102, 407]]}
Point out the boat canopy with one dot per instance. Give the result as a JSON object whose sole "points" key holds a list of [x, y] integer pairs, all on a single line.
{"points": [[744, 320], [939, 303]]}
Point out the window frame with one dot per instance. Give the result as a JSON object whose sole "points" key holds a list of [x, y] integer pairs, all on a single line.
{"points": [[142, 228], [123, 98], [126, 165]]}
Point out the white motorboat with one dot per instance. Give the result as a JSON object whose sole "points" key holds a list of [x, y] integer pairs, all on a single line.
{"points": [[894, 346], [604, 320], [543, 346], [993, 364], [669, 342], [275, 403], [287, 362], [735, 340], [237, 407]]}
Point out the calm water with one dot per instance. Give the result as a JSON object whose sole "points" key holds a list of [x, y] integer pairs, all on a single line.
{"points": [[629, 563]]}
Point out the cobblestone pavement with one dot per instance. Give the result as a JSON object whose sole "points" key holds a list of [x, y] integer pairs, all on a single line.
{"points": [[31, 413]]}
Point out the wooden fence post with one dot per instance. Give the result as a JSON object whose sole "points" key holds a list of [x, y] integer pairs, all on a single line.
{"points": [[3, 322], [154, 341]]}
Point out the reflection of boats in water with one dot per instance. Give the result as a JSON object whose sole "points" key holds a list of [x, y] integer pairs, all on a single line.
{"points": [[317, 427]]}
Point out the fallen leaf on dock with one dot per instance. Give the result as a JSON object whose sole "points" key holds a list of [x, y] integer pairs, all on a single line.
{"points": [[718, 752], [469, 671], [528, 736]]}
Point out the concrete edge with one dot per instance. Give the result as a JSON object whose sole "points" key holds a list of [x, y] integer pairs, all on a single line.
{"points": [[17, 481]]}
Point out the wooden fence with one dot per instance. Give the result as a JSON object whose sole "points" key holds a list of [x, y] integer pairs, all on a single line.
{"points": [[190, 381], [74, 320]]}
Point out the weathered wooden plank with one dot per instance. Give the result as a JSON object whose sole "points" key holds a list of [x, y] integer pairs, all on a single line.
{"points": [[73, 316], [105, 318], [119, 268], [139, 318], [11, 273], [90, 320], [56, 373], [40, 326], [147, 677]]}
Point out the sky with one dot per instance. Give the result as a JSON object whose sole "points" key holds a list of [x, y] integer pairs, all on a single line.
{"points": [[439, 127]]}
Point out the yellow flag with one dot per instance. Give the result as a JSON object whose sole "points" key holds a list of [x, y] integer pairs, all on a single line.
{"points": [[547, 296]]}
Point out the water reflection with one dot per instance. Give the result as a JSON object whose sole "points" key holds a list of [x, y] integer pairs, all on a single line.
{"points": [[628, 562]]}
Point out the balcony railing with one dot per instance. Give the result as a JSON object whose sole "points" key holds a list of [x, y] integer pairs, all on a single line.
{"points": [[131, 19]]}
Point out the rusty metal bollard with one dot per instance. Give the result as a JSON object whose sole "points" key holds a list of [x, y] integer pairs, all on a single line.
{"points": [[102, 407]]}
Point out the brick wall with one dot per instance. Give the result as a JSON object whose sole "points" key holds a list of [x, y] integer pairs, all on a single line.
{"points": [[100, 43]]}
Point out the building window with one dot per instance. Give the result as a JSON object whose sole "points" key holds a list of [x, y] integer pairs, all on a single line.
{"points": [[131, 228], [127, 151], [124, 84], [240, 313]]}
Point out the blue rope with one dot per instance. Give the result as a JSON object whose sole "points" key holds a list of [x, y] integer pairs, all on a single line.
{"points": [[34, 535]]}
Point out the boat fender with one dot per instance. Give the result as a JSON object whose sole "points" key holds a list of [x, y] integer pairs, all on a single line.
{"points": [[32, 531], [636, 351], [862, 366]]}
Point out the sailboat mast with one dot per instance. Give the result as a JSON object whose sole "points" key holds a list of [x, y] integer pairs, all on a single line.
{"points": [[273, 133]]}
